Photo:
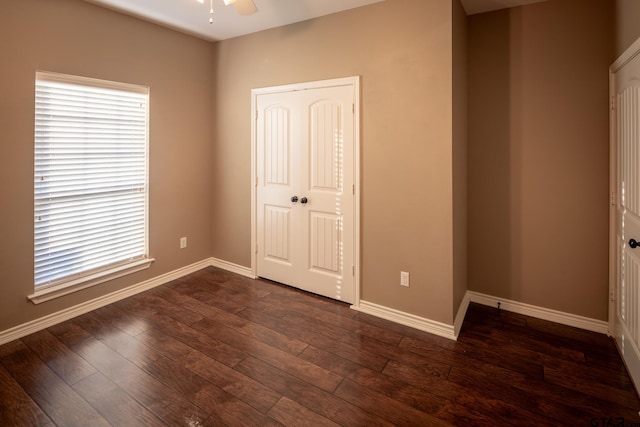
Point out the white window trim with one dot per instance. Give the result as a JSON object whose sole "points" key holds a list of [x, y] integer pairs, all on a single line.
{"points": [[79, 282], [84, 282]]}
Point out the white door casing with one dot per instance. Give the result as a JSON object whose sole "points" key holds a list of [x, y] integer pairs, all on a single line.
{"points": [[305, 147], [624, 305]]}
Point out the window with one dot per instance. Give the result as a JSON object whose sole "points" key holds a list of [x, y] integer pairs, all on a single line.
{"points": [[90, 190]]}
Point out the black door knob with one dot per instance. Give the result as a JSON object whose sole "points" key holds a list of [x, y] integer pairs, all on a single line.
{"points": [[294, 199], [633, 243], [304, 200]]}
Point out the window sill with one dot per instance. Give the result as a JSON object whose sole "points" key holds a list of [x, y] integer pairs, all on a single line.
{"points": [[76, 285]]}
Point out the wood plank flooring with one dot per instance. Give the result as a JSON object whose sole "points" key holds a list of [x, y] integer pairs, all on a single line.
{"points": [[216, 348]]}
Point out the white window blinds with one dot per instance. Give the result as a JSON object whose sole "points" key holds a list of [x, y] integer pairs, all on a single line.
{"points": [[90, 177]]}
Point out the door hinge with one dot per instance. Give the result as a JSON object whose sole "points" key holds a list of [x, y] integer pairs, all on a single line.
{"points": [[353, 270], [613, 103], [353, 108], [256, 248], [256, 181], [257, 113], [353, 189], [612, 198]]}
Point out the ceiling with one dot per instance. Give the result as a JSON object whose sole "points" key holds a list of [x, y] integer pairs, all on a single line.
{"points": [[192, 17]]}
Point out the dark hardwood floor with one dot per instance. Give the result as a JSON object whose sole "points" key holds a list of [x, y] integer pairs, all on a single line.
{"points": [[215, 348]]}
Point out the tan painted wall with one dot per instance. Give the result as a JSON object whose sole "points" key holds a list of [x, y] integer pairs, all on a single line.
{"points": [[538, 154], [627, 20], [460, 138], [537, 134], [402, 50], [75, 37]]}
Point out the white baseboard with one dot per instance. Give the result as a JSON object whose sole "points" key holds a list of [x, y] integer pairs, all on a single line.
{"points": [[417, 322], [85, 307], [407, 319], [462, 312], [563, 318], [234, 268]]}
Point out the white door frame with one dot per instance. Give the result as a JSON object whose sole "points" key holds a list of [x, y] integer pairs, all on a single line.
{"points": [[613, 202], [346, 81]]}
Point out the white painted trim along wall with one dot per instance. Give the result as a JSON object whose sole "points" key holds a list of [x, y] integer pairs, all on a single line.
{"points": [[234, 268], [567, 319], [407, 319]]}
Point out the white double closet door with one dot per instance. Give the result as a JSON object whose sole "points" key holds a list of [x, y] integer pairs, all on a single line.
{"points": [[305, 189]]}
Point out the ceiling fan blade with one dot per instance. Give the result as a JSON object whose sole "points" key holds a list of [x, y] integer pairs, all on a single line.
{"points": [[243, 7]]}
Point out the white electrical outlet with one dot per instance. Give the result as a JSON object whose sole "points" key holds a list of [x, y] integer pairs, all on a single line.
{"points": [[183, 242], [404, 279]]}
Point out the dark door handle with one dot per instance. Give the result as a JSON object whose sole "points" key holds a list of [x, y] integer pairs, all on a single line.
{"points": [[294, 199], [633, 243], [304, 200]]}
